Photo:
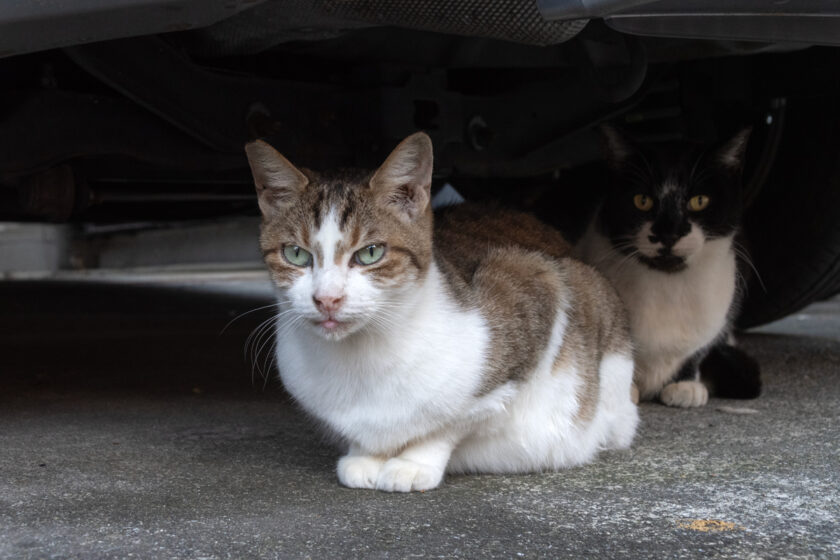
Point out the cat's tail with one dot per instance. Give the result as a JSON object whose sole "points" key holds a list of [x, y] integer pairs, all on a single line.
{"points": [[730, 373]]}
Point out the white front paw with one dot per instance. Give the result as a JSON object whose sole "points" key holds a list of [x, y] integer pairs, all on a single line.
{"points": [[402, 475], [359, 471], [685, 394]]}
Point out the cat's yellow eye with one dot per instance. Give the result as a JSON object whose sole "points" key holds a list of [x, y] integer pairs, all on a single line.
{"points": [[643, 202], [697, 203], [370, 254], [297, 256]]}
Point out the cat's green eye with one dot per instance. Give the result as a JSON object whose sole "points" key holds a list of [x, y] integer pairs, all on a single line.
{"points": [[297, 256], [643, 202], [697, 203], [370, 254]]}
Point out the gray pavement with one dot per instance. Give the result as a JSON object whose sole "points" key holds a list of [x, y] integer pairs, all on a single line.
{"points": [[129, 427]]}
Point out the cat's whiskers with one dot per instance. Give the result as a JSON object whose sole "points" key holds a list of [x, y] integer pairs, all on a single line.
{"points": [[270, 361], [255, 333], [263, 363], [256, 340], [256, 364], [614, 251], [626, 260], [268, 336], [387, 318], [742, 253], [229, 323], [384, 321], [267, 325], [635, 171], [378, 322]]}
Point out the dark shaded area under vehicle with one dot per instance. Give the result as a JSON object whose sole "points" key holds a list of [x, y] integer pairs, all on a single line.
{"points": [[152, 128]]}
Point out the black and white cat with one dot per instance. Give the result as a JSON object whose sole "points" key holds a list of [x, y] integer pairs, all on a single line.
{"points": [[665, 235]]}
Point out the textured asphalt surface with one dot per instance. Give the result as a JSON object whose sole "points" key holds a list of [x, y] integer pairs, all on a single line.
{"points": [[129, 427]]}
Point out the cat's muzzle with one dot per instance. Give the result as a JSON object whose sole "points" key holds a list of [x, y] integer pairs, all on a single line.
{"points": [[667, 262]]}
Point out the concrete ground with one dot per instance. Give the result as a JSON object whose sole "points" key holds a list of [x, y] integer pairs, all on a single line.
{"points": [[130, 427]]}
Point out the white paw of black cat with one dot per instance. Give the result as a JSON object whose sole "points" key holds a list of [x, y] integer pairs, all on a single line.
{"points": [[402, 475], [685, 394], [359, 471]]}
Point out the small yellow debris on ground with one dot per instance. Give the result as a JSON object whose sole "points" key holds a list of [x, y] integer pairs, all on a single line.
{"points": [[708, 525]]}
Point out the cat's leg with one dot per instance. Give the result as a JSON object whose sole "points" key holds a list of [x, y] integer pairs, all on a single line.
{"points": [[686, 391], [634, 393], [420, 466], [616, 374], [731, 373], [359, 470]]}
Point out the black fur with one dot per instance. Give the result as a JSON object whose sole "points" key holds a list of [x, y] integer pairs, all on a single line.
{"points": [[692, 169], [729, 372], [726, 371], [689, 370]]}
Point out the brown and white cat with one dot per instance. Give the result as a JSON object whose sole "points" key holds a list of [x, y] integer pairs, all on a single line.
{"points": [[470, 346]]}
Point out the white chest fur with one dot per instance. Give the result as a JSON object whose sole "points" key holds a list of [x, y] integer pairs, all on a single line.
{"points": [[383, 390], [671, 315]]}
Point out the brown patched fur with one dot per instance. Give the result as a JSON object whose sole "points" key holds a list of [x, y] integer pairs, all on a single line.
{"points": [[465, 225], [464, 234], [517, 292], [597, 326], [499, 261], [518, 271]]}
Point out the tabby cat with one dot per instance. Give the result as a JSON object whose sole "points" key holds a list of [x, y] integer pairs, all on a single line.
{"points": [[470, 345]]}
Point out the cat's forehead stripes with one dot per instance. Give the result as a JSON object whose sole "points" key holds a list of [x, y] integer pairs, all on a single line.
{"points": [[342, 220], [341, 232], [349, 207], [342, 195], [317, 208], [340, 192], [327, 240]]}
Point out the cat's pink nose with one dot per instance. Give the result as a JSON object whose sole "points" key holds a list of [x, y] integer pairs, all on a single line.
{"points": [[327, 304]]}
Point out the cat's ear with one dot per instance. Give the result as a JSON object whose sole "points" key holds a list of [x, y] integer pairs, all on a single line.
{"points": [[731, 153], [404, 182], [617, 147], [278, 182]]}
